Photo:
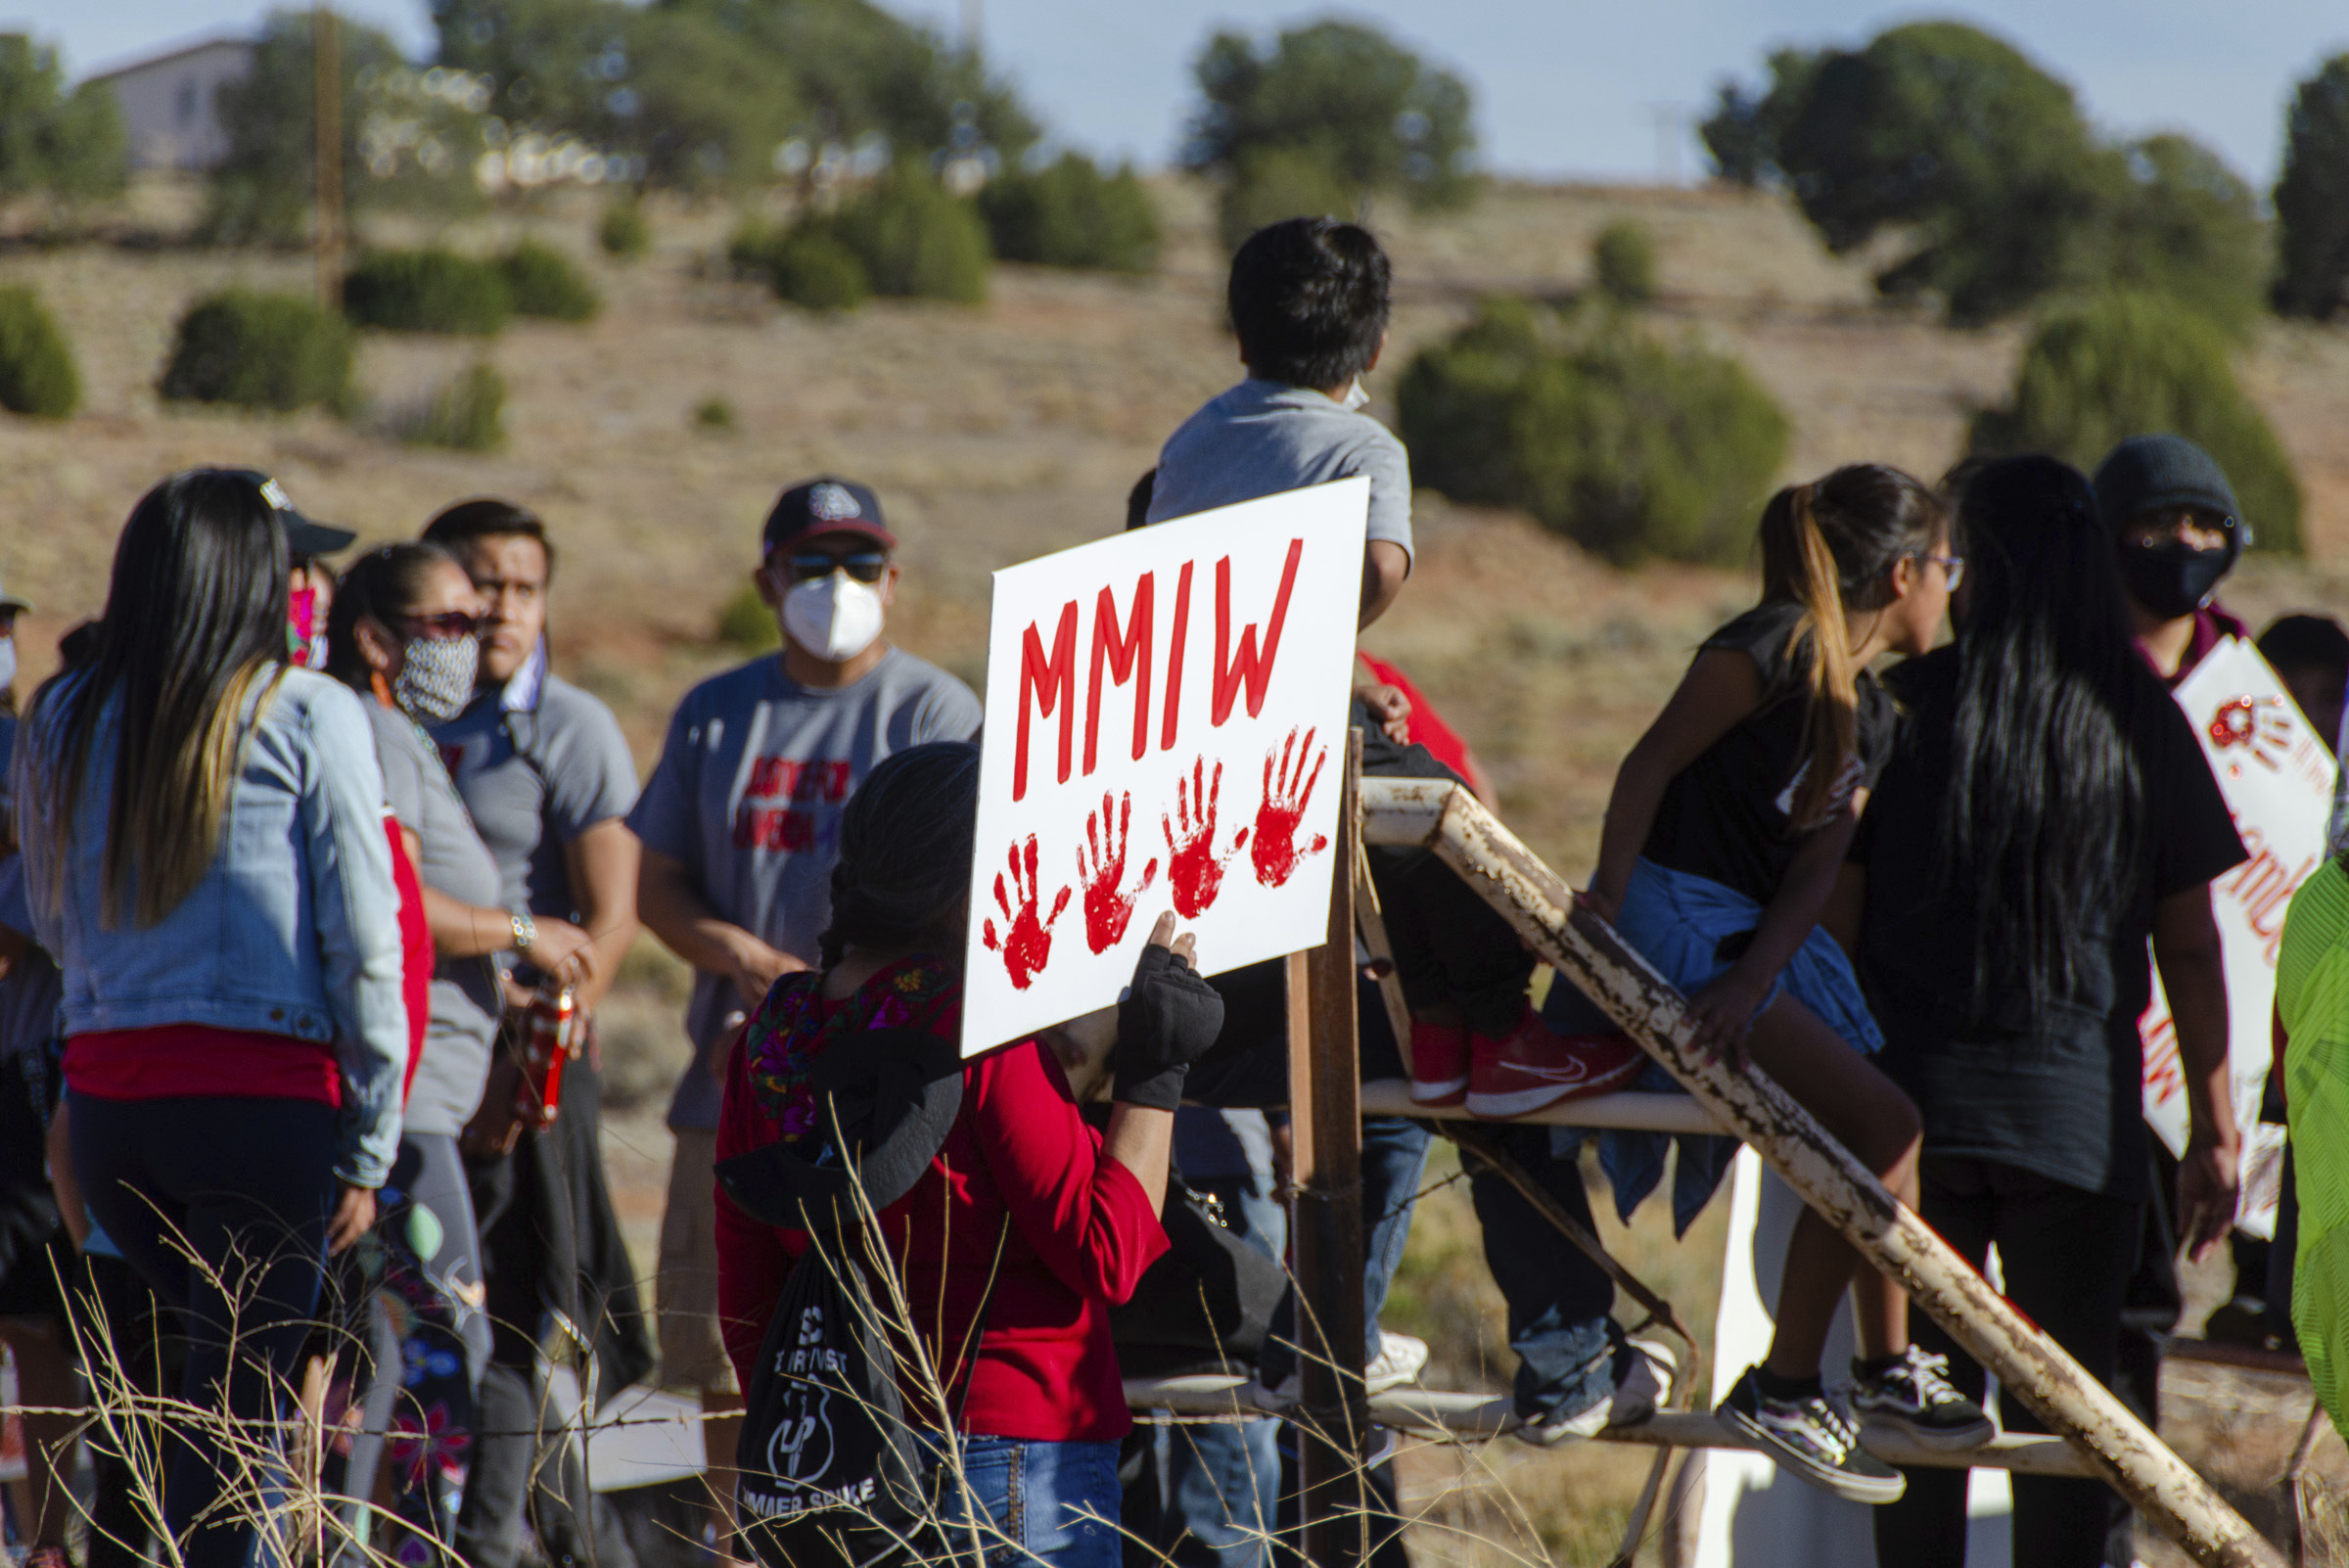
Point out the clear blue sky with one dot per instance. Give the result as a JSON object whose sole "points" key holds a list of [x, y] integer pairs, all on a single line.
{"points": [[1564, 87]]}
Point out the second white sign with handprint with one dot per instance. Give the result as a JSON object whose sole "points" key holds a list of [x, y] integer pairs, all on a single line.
{"points": [[1166, 719]]}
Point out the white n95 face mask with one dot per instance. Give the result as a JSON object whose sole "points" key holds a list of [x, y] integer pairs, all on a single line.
{"points": [[835, 617]]}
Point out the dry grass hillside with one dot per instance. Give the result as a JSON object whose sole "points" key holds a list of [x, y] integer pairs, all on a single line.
{"points": [[1000, 432]]}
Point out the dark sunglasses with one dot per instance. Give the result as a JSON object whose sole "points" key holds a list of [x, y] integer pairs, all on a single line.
{"points": [[448, 624], [866, 566]]}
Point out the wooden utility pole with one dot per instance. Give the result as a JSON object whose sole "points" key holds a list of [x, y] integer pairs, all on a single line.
{"points": [[1332, 1417], [327, 94], [1586, 952]]}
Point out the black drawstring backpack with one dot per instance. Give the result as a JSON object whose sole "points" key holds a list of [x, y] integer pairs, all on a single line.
{"points": [[833, 1472]]}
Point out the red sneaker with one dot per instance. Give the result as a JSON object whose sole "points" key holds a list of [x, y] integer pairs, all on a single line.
{"points": [[1534, 1068], [1439, 1063]]}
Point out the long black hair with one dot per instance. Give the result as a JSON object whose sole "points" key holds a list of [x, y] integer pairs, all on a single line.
{"points": [[1829, 545], [905, 845], [194, 616], [2044, 819]]}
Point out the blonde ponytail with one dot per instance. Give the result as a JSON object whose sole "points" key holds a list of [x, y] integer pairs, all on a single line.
{"points": [[1797, 565]]}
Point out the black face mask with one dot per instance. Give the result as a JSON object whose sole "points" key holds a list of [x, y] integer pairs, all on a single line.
{"points": [[2172, 579]]}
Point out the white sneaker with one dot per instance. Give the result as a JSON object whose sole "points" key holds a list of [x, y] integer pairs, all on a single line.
{"points": [[1401, 1360], [1633, 1401]]}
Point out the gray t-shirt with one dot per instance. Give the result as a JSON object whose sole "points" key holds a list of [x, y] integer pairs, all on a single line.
{"points": [[466, 1000], [539, 763], [1262, 438], [748, 796]]}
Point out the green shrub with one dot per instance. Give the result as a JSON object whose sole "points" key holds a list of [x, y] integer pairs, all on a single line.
{"points": [[1979, 161], [1274, 183], [2133, 364], [260, 350], [1623, 264], [543, 282], [1069, 214], [746, 622], [750, 248], [1628, 444], [37, 374], [913, 238], [623, 233], [2311, 199], [813, 270], [714, 415], [468, 415], [428, 290], [1362, 104]]}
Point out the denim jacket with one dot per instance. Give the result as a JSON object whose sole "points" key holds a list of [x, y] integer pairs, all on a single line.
{"points": [[294, 931]]}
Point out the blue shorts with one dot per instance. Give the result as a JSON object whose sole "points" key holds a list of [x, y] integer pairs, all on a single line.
{"points": [[1683, 923], [1687, 926]]}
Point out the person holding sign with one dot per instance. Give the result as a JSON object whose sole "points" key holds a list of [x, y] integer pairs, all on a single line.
{"points": [[741, 823], [1026, 1226], [1729, 821], [2045, 813], [2173, 523]]}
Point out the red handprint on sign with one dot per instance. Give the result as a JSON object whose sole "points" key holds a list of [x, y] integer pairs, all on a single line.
{"points": [[1275, 852], [1194, 875], [2261, 725], [1107, 910], [1027, 941]]}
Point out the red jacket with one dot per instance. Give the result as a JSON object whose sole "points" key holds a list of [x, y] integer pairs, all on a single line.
{"points": [[1020, 1168]]}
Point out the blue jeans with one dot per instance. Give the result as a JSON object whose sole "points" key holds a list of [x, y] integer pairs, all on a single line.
{"points": [[1051, 1503], [1393, 1155], [1217, 1482], [1561, 1321], [1394, 1158]]}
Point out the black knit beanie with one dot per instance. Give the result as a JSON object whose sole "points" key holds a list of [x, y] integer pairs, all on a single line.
{"points": [[2145, 473]]}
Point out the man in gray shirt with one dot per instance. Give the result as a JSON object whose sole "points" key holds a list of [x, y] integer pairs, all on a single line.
{"points": [[546, 775], [740, 824]]}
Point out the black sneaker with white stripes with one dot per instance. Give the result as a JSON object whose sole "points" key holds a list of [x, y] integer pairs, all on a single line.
{"points": [[1913, 1396], [1810, 1440]]}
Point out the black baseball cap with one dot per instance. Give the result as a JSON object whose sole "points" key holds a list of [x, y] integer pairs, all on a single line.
{"points": [[303, 537], [825, 505]]}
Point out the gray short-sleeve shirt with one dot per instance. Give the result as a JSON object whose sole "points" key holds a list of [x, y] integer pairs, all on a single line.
{"points": [[748, 796], [537, 768], [466, 1000], [1262, 438]]}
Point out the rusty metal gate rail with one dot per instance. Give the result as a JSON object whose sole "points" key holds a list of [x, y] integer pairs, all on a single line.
{"points": [[2113, 1442]]}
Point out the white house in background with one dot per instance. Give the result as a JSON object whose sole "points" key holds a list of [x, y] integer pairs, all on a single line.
{"points": [[168, 101]]}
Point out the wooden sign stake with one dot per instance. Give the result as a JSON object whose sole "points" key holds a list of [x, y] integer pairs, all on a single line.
{"points": [[1332, 1416]]}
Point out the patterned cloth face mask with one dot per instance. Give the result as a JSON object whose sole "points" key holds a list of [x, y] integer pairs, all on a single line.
{"points": [[436, 678]]}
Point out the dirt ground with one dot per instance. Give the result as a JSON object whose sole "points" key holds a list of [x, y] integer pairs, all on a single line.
{"points": [[998, 432]]}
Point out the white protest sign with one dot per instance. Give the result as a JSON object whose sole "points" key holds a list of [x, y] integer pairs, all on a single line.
{"points": [[1166, 719], [2277, 777]]}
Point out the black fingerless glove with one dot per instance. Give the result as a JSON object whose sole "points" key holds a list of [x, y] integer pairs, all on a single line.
{"points": [[1167, 1022]]}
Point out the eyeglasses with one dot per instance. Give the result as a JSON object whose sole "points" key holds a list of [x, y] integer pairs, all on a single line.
{"points": [[448, 624], [812, 565], [1953, 566]]}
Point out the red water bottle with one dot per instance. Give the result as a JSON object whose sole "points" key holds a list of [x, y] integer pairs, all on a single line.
{"points": [[552, 1039]]}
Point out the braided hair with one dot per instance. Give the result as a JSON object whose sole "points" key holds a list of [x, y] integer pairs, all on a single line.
{"points": [[905, 845]]}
